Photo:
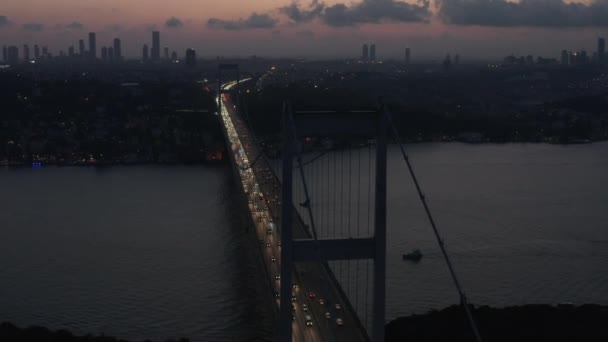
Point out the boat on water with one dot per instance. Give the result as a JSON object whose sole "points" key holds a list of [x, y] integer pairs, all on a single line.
{"points": [[415, 256]]}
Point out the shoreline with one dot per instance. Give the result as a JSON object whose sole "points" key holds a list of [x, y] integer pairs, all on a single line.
{"points": [[526, 323]]}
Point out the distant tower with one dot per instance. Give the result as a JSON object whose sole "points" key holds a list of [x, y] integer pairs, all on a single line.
{"points": [[117, 50], [71, 51], [407, 55], [81, 49], [13, 55], [26, 53], [365, 53], [36, 51], [174, 56], [144, 53], [191, 58], [166, 53], [601, 50], [104, 53], [447, 63], [92, 46], [372, 52], [5, 53], [45, 52], [155, 53], [564, 57]]}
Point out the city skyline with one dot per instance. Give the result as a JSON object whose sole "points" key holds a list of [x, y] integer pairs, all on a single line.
{"points": [[281, 28]]}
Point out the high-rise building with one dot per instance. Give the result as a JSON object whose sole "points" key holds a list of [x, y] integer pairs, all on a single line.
{"points": [[372, 52], [155, 45], [190, 57], [12, 55], [174, 56], [111, 56], [144, 53], [564, 57], [407, 55], [45, 52], [5, 53], [26, 53], [36, 51], [166, 53], [81, 49], [71, 51], [117, 50], [104, 53], [92, 46], [365, 53], [601, 50]]}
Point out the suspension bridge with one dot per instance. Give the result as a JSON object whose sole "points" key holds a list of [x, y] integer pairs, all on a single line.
{"points": [[319, 214]]}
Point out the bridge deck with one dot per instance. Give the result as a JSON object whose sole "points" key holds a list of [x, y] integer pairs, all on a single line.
{"points": [[262, 189]]}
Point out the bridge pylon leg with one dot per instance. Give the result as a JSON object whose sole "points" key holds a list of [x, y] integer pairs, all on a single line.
{"points": [[285, 319]]}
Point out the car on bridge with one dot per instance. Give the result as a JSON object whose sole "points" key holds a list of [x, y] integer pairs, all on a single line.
{"points": [[308, 320], [339, 322], [304, 307]]}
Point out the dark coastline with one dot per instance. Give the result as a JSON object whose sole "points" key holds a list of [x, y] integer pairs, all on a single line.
{"points": [[513, 324]]}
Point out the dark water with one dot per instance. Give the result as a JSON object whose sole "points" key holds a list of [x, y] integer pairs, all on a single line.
{"points": [[155, 252], [138, 252]]}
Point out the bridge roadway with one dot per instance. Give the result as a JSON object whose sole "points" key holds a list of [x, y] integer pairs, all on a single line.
{"points": [[262, 189]]}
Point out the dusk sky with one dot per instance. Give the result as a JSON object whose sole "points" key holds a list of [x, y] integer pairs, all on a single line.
{"points": [[323, 29]]}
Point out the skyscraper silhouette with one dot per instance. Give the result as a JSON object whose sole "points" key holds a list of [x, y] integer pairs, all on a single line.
{"points": [[144, 53], [365, 53], [81, 49], [117, 50], [36, 51], [13, 55], [372, 52], [92, 46], [565, 57], [190, 57], [155, 45], [166, 53], [26, 53]]}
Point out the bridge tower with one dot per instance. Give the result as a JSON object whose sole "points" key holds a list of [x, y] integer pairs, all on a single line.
{"points": [[296, 126]]}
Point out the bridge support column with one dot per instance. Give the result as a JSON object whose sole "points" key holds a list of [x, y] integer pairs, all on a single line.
{"points": [[380, 230], [285, 317]]}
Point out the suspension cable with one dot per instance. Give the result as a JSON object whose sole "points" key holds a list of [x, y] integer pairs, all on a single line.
{"points": [[429, 215]]}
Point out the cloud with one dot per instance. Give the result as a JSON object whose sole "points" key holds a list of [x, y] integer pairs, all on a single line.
{"points": [[4, 22], [33, 27], [173, 22], [255, 21], [375, 12], [75, 26], [540, 13], [298, 15]]}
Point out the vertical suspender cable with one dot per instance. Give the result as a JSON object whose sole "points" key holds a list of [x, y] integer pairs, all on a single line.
{"points": [[429, 215]]}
